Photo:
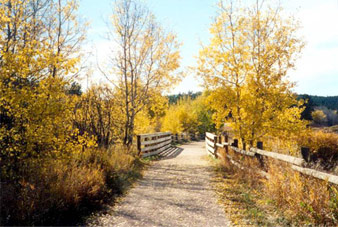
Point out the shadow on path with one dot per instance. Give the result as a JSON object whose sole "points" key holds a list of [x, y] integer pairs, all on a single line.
{"points": [[170, 153], [175, 191]]}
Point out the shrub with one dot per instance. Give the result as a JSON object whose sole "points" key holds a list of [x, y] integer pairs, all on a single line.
{"points": [[323, 148], [49, 189], [60, 191]]}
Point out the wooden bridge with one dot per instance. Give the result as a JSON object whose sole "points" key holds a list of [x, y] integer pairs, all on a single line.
{"points": [[175, 191]]}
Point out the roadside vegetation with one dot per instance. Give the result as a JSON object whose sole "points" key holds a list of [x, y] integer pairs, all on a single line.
{"points": [[287, 198], [65, 151], [245, 68]]}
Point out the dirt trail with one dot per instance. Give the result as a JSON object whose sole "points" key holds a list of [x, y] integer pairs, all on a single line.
{"points": [[175, 191]]}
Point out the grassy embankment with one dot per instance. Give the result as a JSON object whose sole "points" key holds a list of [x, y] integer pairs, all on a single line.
{"points": [[287, 197]]}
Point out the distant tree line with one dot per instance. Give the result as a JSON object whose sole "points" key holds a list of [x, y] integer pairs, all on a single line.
{"points": [[320, 109], [173, 99], [327, 104], [331, 102]]}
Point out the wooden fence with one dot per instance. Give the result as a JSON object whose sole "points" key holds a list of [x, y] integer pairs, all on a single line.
{"points": [[154, 143], [214, 144]]}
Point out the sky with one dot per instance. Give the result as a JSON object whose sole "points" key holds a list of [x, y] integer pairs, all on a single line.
{"points": [[316, 71]]}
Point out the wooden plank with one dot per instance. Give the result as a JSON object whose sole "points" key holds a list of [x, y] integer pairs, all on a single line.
{"points": [[210, 135], [156, 146], [206, 146], [155, 141], [210, 149], [154, 134], [156, 152], [211, 144], [317, 174], [248, 153], [282, 157], [234, 162], [219, 145], [164, 148]]}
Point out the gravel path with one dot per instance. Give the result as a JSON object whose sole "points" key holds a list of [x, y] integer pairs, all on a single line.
{"points": [[175, 191]]}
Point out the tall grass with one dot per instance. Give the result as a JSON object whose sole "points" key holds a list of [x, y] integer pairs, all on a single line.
{"points": [[323, 149], [56, 191], [302, 199]]}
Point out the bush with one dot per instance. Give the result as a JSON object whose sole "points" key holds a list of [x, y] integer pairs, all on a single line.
{"points": [[323, 148], [54, 191]]}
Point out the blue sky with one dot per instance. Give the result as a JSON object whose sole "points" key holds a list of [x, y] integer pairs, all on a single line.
{"points": [[316, 72]]}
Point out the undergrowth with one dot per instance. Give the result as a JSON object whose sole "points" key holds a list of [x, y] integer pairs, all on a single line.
{"points": [[285, 198], [63, 191], [243, 203]]}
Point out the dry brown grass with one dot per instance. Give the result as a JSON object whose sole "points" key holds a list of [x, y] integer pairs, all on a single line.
{"points": [[289, 196], [323, 148], [242, 199], [303, 199], [57, 191]]}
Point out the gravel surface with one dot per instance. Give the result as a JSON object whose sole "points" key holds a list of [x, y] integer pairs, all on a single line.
{"points": [[175, 191]]}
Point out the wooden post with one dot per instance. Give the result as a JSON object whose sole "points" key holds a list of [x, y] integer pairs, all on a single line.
{"points": [[305, 153], [226, 140], [258, 156], [260, 145], [244, 146], [235, 143], [176, 139], [139, 145]]}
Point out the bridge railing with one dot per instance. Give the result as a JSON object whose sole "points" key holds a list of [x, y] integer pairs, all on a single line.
{"points": [[218, 148], [153, 143]]}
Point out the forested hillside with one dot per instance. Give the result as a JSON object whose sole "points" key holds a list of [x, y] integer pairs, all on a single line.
{"points": [[331, 102]]}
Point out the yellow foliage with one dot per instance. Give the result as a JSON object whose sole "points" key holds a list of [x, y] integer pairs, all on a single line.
{"points": [[245, 67], [99, 113], [189, 116], [145, 61], [35, 111], [180, 118], [319, 116]]}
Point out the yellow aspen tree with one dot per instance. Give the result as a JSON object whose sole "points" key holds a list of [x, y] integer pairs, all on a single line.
{"points": [[246, 65], [35, 111], [144, 60], [98, 113], [181, 117]]}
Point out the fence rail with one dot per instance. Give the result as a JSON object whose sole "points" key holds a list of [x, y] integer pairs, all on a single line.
{"points": [[213, 143], [154, 143]]}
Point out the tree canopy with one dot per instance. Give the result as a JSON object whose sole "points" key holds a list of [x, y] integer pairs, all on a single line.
{"points": [[245, 65]]}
